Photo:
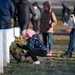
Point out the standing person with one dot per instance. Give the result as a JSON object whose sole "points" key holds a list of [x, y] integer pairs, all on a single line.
{"points": [[35, 20], [48, 21], [34, 46], [24, 9], [65, 13], [6, 14], [68, 53]]}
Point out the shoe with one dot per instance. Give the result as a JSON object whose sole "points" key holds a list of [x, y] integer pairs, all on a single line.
{"points": [[49, 53], [36, 62], [23, 57], [65, 24], [66, 55]]}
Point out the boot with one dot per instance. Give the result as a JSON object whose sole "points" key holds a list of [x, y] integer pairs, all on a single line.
{"points": [[49, 53], [66, 55]]}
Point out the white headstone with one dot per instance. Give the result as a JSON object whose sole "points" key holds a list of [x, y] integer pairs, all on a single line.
{"points": [[16, 31], [1, 52], [4, 49], [9, 39]]}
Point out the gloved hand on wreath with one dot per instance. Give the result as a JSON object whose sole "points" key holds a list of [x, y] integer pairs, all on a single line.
{"points": [[22, 46]]}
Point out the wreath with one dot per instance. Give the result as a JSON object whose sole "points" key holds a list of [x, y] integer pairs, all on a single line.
{"points": [[15, 51]]}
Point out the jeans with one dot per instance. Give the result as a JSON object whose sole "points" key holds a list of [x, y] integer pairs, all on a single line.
{"points": [[72, 41], [64, 17], [49, 35]]}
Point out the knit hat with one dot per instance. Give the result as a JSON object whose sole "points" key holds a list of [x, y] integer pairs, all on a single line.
{"points": [[28, 33], [46, 6]]}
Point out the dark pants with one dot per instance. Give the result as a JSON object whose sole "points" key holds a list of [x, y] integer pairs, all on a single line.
{"points": [[24, 26], [64, 17], [72, 41], [23, 22], [35, 24], [35, 53]]}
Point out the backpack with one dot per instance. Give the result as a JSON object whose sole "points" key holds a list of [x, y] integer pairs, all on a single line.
{"points": [[71, 21]]}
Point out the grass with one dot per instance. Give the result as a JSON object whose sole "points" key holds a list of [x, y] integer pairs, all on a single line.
{"points": [[54, 65]]}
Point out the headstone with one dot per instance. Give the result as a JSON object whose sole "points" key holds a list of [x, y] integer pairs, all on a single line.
{"points": [[9, 36], [16, 31], [1, 52], [4, 49]]}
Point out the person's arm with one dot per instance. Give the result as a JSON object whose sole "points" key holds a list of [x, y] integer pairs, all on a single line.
{"points": [[32, 9], [22, 46], [54, 19]]}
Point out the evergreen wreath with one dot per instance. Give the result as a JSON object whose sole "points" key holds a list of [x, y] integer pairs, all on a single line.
{"points": [[16, 51]]}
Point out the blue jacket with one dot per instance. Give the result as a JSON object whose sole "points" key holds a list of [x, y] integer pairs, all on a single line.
{"points": [[6, 13], [33, 43]]}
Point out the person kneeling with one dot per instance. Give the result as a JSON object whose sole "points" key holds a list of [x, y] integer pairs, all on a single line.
{"points": [[34, 46]]}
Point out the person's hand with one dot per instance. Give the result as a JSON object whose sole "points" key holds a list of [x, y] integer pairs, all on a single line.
{"points": [[12, 22], [50, 25], [22, 46], [18, 45]]}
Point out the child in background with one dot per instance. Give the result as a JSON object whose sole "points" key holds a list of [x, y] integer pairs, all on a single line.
{"points": [[48, 21]]}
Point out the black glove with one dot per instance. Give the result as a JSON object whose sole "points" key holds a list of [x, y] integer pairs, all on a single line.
{"points": [[50, 25], [22, 46], [19, 45]]}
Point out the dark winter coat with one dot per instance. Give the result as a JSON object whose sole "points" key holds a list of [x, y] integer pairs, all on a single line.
{"points": [[24, 10], [6, 13], [44, 23], [45, 18], [34, 43]]}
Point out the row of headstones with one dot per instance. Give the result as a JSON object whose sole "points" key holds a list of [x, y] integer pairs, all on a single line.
{"points": [[6, 37]]}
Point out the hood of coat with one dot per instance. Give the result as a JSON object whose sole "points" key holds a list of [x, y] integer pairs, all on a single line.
{"points": [[28, 33], [46, 6]]}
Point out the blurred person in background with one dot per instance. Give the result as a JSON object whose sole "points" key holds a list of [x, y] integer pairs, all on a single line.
{"points": [[23, 11], [15, 17], [6, 13], [68, 53], [7, 10], [48, 21], [35, 20], [65, 14]]}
